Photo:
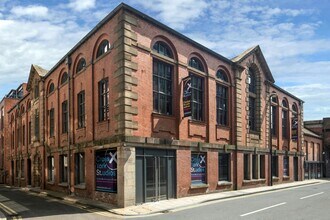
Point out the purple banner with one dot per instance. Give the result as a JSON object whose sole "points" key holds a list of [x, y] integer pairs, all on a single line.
{"points": [[186, 97], [106, 170], [294, 129], [198, 168]]}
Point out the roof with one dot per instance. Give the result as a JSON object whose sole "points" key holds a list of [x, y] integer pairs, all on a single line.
{"points": [[310, 133], [35, 69], [256, 50], [145, 17]]}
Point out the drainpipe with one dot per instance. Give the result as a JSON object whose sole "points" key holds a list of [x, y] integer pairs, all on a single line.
{"points": [[68, 63]]}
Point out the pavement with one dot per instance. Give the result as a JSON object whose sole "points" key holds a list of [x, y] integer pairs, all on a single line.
{"points": [[172, 204]]}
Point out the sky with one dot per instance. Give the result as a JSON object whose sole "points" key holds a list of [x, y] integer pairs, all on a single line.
{"points": [[294, 37]]}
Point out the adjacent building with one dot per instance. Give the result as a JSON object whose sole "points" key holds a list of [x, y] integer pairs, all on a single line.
{"points": [[137, 112]]}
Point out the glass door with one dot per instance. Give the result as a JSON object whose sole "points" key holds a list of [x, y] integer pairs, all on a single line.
{"points": [[156, 179]]}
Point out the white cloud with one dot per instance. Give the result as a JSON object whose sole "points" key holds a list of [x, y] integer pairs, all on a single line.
{"points": [[176, 13], [30, 11], [81, 5]]}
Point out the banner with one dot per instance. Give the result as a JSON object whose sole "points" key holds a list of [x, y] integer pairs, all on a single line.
{"points": [[294, 129], [106, 170], [186, 97], [198, 168]]}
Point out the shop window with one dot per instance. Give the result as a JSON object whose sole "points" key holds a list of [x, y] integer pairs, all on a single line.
{"points": [[285, 166], [224, 167], [64, 168], [198, 168], [162, 87], [79, 168], [22, 169], [275, 166], [106, 171], [51, 168], [247, 167], [262, 166], [81, 109], [255, 170], [197, 97], [103, 99]]}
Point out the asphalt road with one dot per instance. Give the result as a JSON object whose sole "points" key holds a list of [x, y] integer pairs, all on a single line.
{"points": [[308, 202], [15, 203]]}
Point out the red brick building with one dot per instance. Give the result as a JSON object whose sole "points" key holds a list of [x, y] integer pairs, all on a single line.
{"points": [[107, 121]]}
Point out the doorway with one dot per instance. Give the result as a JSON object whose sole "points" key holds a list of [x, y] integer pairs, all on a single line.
{"points": [[295, 168], [155, 175], [29, 167]]}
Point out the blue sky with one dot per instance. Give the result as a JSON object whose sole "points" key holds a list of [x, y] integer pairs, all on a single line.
{"points": [[293, 35]]}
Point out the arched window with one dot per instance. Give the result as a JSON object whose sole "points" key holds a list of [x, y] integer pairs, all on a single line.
{"points": [[51, 88], [194, 62], [274, 103], [252, 81], [163, 49], [222, 98], [252, 100], [81, 65], [162, 80], [222, 75], [285, 118], [64, 78], [294, 109], [103, 48]]}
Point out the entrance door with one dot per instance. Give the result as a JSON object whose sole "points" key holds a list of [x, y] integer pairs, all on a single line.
{"points": [[29, 171], [155, 175], [295, 168], [156, 181]]}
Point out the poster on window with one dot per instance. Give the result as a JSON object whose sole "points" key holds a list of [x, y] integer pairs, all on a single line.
{"points": [[106, 170], [186, 97], [294, 130], [198, 168]]}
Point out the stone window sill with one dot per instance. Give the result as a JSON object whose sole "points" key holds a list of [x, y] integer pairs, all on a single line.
{"points": [[199, 186], [224, 183]]}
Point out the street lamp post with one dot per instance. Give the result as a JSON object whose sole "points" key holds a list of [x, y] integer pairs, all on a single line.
{"points": [[273, 94]]}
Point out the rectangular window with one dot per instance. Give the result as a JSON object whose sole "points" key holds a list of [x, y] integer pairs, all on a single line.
{"points": [[103, 100], [222, 105], [255, 170], [285, 166], [224, 167], [275, 166], [36, 124], [23, 135], [81, 109], [51, 168], [252, 113], [285, 124], [17, 168], [273, 119], [65, 117], [247, 167], [262, 167], [79, 168], [29, 131], [197, 97], [22, 169], [162, 87], [51, 122], [64, 168], [198, 168]]}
